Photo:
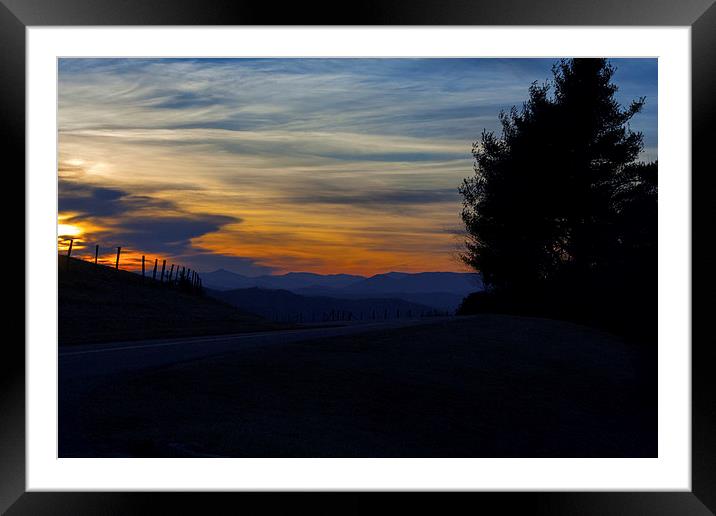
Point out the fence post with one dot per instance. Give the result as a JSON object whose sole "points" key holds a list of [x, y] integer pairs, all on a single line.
{"points": [[116, 264], [96, 253], [161, 278], [171, 273], [69, 249], [142, 266], [154, 273]]}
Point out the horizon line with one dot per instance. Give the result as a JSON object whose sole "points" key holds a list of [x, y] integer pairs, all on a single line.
{"points": [[336, 273]]}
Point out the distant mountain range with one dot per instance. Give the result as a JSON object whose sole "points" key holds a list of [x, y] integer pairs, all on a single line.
{"points": [[431, 290], [226, 280]]}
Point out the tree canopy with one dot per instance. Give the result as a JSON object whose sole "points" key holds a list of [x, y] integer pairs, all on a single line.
{"points": [[559, 201]]}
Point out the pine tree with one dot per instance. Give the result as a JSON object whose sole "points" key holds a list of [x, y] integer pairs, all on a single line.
{"points": [[546, 202]]}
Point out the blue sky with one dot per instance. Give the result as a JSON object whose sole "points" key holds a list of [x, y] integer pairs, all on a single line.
{"points": [[271, 165]]}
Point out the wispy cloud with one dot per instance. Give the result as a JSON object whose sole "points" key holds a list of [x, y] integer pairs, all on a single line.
{"points": [[341, 165]]}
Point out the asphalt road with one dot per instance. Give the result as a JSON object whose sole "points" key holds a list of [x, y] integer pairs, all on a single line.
{"points": [[108, 358]]}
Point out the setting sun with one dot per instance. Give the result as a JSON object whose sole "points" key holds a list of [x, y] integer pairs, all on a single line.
{"points": [[68, 230]]}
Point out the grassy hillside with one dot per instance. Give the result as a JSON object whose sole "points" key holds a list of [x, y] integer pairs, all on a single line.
{"points": [[101, 304]]}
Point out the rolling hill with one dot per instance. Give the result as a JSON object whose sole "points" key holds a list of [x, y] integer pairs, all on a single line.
{"points": [[283, 305], [100, 304]]}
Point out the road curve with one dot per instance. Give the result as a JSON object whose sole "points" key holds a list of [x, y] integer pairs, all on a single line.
{"points": [[108, 358]]}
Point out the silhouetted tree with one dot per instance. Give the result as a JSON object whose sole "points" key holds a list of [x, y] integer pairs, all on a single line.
{"points": [[558, 200]]}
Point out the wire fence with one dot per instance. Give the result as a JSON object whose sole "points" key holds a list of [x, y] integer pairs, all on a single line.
{"points": [[172, 274]]}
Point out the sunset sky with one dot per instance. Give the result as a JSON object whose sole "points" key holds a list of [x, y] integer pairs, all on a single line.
{"points": [[276, 165]]}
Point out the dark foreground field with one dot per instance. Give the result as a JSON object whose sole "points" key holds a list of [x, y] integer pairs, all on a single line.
{"points": [[484, 386]]}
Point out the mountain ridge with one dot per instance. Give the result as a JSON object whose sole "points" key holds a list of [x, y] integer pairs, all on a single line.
{"points": [[438, 290]]}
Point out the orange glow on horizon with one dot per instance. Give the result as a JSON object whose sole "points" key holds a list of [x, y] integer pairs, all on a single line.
{"points": [[307, 244], [366, 244]]}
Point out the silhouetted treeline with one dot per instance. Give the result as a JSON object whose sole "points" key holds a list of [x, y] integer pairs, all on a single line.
{"points": [[561, 218]]}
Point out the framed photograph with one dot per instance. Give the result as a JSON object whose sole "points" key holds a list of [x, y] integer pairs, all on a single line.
{"points": [[434, 247]]}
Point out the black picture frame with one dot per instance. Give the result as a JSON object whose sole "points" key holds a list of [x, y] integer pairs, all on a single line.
{"points": [[700, 15]]}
